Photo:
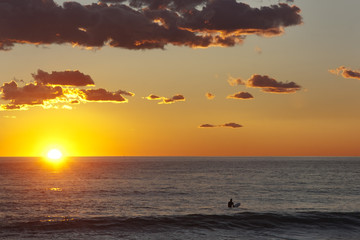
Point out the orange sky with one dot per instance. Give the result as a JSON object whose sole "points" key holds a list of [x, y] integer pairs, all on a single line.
{"points": [[292, 94]]}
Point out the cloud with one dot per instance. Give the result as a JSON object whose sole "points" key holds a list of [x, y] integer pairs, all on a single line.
{"points": [[4, 107], [140, 24], [266, 84], [166, 100], [210, 96], [236, 81], [271, 85], [126, 93], [206, 125], [229, 125], [346, 72], [241, 95], [232, 125], [175, 98], [65, 78], [30, 94], [49, 90], [153, 97], [102, 95], [178, 97]]}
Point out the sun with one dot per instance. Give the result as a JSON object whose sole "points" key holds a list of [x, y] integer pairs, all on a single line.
{"points": [[54, 155]]}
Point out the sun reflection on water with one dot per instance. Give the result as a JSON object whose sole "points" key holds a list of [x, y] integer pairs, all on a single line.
{"points": [[57, 219]]}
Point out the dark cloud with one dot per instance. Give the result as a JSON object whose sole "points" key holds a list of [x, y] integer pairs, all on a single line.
{"points": [[241, 95], [207, 126], [30, 94], [140, 24], [210, 95], [271, 85], [74, 102], [175, 98], [65, 78], [346, 72], [178, 97], [102, 95], [153, 97], [230, 125], [230, 16]]}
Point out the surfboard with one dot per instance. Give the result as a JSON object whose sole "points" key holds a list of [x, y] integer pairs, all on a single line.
{"points": [[237, 205]]}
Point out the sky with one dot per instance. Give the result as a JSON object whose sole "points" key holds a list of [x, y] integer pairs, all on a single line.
{"points": [[180, 78]]}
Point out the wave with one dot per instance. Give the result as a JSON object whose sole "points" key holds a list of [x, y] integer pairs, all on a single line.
{"points": [[245, 220]]}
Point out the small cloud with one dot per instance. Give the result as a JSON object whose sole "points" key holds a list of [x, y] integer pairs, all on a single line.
{"points": [[175, 98], [258, 50], [236, 81], [232, 125], [178, 97], [207, 126], [74, 102], [166, 100], [102, 95], [210, 96], [126, 93], [30, 94], [346, 72], [229, 125], [10, 107], [153, 97], [268, 84], [241, 95], [64, 78]]}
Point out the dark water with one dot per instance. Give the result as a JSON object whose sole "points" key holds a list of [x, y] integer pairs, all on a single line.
{"points": [[180, 198]]}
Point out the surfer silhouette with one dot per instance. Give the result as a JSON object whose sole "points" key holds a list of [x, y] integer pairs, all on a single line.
{"points": [[230, 203]]}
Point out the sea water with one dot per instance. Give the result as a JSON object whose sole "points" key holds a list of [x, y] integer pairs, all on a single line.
{"points": [[180, 198]]}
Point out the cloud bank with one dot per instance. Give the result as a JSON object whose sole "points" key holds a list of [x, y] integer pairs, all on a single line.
{"points": [[266, 84], [140, 24], [49, 89], [346, 72]]}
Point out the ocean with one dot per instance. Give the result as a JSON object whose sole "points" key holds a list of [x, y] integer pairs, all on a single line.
{"points": [[181, 198]]}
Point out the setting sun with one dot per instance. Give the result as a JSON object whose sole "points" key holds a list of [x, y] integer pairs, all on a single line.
{"points": [[54, 155]]}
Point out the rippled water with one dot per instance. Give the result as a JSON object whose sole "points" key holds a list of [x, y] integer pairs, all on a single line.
{"points": [[180, 197]]}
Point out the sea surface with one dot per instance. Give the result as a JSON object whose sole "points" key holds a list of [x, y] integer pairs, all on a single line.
{"points": [[180, 198]]}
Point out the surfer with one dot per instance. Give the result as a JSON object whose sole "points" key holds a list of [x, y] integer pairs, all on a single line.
{"points": [[230, 203]]}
